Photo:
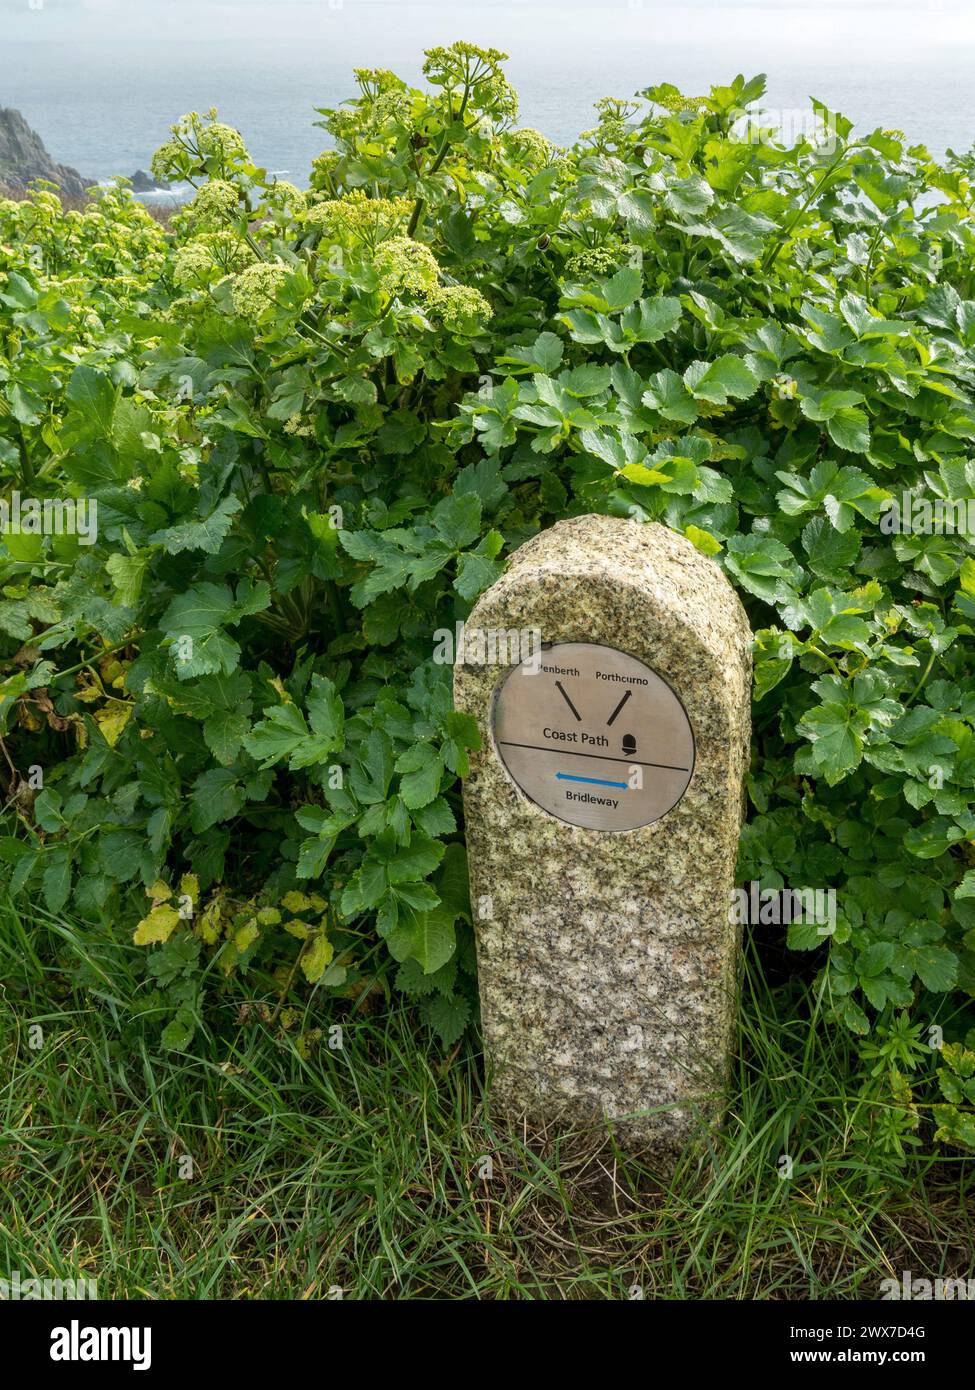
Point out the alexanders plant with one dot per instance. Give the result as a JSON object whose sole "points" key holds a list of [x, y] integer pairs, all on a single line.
{"points": [[317, 421]]}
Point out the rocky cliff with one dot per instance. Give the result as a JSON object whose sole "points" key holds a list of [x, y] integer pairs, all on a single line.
{"points": [[23, 157]]}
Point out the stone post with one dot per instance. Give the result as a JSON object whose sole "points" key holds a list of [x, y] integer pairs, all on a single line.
{"points": [[609, 672]]}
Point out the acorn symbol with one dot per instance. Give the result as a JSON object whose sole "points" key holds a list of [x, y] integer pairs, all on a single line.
{"points": [[629, 744]]}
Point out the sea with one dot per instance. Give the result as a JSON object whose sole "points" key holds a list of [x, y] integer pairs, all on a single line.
{"points": [[102, 80]]}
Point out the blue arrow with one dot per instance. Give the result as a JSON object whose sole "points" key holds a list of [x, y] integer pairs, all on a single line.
{"points": [[596, 781]]}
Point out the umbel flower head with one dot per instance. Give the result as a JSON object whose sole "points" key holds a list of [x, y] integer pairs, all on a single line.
{"points": [[323, 167], [668, 96], [404, 264], [215, 204], [614, 126], [463, 67], [596, 261], [256, 290], [385, 98], [199, 145], [532, 146], [389, 108], [458, 307], [209, 257], [358, 217], [372, 81], [218, 139], [283, 194], [344, 123]]}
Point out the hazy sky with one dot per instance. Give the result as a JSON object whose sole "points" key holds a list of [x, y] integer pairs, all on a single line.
{"points": [[927, 23], [103, 79]]}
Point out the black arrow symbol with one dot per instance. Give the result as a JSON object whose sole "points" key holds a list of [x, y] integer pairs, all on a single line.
{"points": [[618, 708], [562, 691]]}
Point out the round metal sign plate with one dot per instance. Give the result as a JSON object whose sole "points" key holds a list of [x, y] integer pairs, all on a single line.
{"points": [[593, 736]]}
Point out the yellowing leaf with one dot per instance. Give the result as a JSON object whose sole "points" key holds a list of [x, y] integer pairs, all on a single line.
{"points": [[306, 1042], [316, 958], [112, 719], [159, 925], [208, 923], [702, 540], [113, 673], [246, 936], [299, 929], [189, 887], [295, 902], [637, 473]]}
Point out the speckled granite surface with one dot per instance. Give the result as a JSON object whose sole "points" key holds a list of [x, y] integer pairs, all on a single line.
{"points": [[608, 962]]}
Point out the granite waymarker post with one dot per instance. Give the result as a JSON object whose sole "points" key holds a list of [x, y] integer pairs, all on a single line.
{"points": [[603, 814]]}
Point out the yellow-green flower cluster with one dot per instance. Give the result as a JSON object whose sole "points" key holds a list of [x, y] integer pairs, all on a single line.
{"points": [[390, 107], [166, 159], [479, 70], [358, 217], [378, 80], [677, 103], [386, 98], [532, 146], [215, 204], [193, 264], [209, 257], [284, 196], [183, 307], [217, 140], [614, 126], [457, 307], [195, 141], [45, 201], [297, 426], [404, 264], [594, 262], [439, 58], [500, 97], [288, 192], [256, 289], [323, 167], [345, 123]]}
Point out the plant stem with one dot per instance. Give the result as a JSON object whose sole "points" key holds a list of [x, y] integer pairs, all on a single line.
{"points": [[921, 683], [70, 670]]}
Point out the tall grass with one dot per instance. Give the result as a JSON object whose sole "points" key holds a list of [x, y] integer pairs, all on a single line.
{"points": [[377, 1170]]}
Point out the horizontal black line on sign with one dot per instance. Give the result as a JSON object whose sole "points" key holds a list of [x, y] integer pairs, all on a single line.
{"points": [[600, 757]]}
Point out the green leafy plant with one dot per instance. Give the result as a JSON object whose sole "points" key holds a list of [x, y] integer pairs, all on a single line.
{"points": [[317, 421], [956, 1118]]}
